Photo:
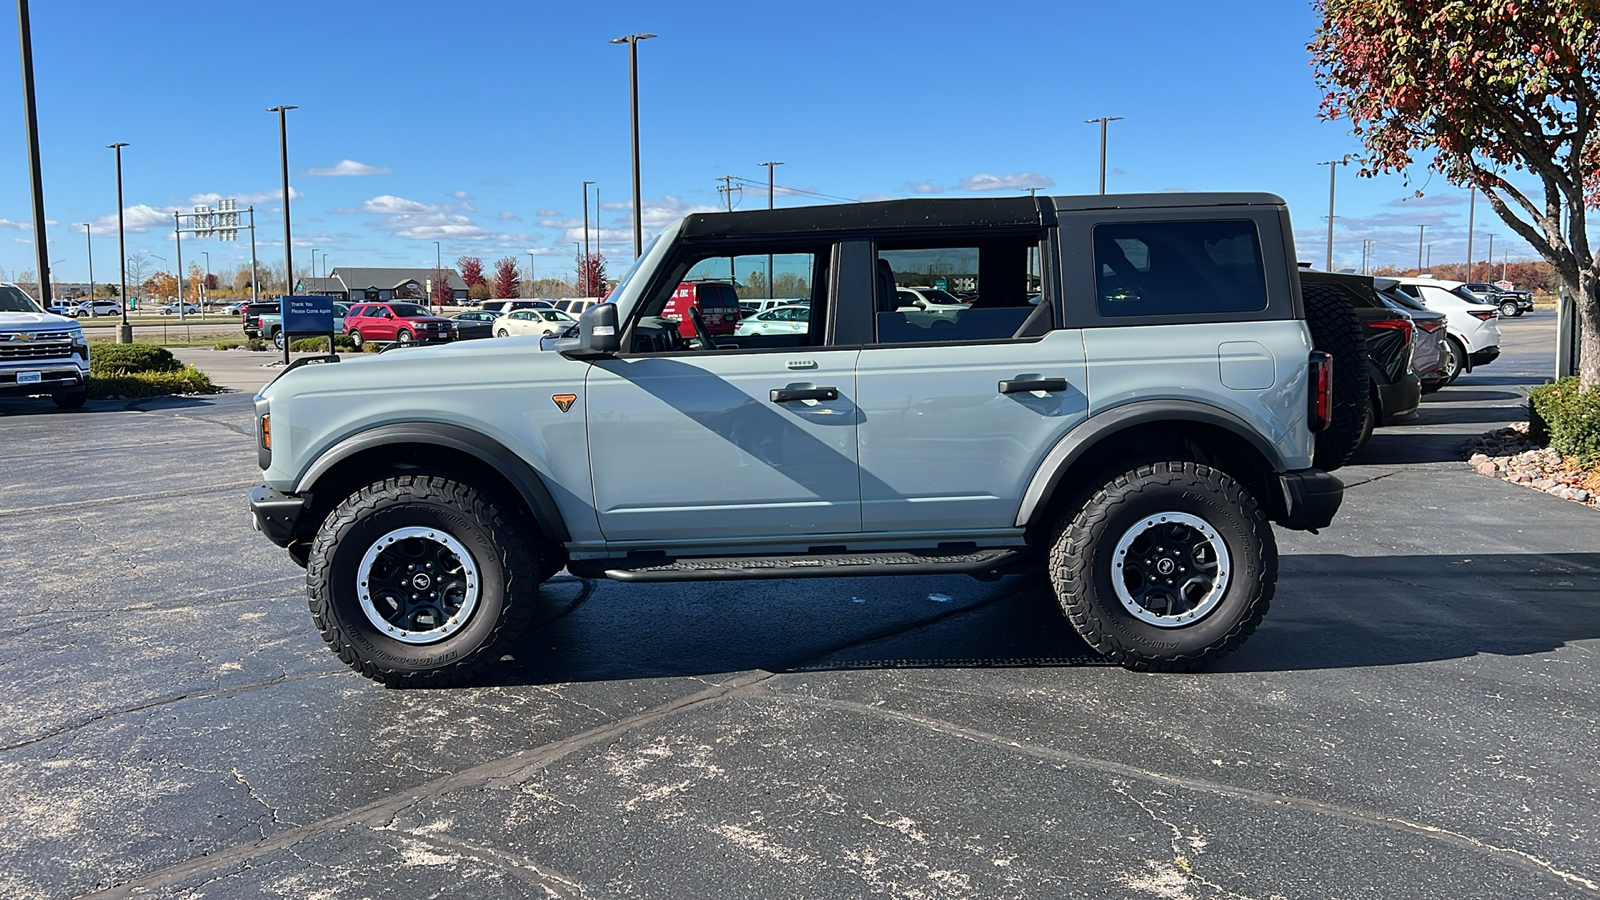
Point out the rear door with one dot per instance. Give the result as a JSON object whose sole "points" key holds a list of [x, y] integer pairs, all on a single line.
{"points": [[960, 406]]}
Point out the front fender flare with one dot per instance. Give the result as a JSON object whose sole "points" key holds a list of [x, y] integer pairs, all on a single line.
{"points": [[534, 492], [1075, 443]]}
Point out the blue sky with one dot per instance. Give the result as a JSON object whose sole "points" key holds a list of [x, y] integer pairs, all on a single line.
{"points": [[476, 121]]}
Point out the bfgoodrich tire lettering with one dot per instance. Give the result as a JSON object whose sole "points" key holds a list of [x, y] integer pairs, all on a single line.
{"points": [[506, 569], [1084, 562]]}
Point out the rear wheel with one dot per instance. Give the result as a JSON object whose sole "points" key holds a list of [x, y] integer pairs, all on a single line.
{"points": [[359, 341], [502, 333], [277, 340], [1166, 567], [1455, 360], [420, 580]]}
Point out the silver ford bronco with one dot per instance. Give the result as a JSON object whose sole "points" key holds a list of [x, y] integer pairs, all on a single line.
{"points": [[1119, 392]]}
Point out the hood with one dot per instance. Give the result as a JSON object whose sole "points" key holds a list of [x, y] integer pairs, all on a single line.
{"points": [[458, 362], [27, 321]]}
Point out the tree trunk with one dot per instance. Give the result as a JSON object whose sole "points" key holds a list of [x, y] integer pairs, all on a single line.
{"points": [[1588, 300]]}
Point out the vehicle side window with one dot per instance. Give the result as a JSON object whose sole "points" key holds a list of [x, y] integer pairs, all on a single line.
{"points": [[979, 291], [1173, 268], [716, 285]]}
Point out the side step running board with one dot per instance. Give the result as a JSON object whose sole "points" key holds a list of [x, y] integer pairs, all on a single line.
{"points": [[835, 565]]}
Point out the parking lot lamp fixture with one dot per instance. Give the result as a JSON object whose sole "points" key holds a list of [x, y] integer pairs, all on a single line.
{"points": [[632, 41], [1333, 168], [1104, 121], [586, 216], [125, 332]]}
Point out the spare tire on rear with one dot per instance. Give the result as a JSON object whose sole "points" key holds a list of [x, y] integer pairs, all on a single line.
{"points": [[1336, 331]]}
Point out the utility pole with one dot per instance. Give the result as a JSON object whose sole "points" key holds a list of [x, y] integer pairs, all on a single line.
{"points": [[1333, 168], [1421, 230], [727, 191], [89, 240], [586, 218], [125, 332], [1491, 254], [1430, 257], [632, 41], [1472, 210], [288, 243], [770, 166], [1104, 121], [35, 175], [1366, 255]]}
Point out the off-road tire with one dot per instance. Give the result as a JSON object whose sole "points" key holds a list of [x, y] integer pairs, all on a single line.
{"points": [[1336, 330], [503, 550], [72, 400], [1083, 563]]}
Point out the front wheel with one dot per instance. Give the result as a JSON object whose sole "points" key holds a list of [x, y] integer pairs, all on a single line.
{"points": [[403, 338], [1508, 309], [1166, 567], [419, 580]]}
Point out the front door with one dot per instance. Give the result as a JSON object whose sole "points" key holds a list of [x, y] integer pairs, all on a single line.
{"points": [[697, 446]]}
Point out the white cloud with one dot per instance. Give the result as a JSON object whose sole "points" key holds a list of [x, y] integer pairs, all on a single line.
{"points": [[1016, 181], [388, 205], [210, 198], [924, 187], [463, 195], [20, 226], [348, 167], [419, 221], [506, 215], [874, 198], [548, 213]]}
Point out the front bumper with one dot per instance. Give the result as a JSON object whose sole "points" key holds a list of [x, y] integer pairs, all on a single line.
{"points": [[1483, 357], [1401, 399], [276, 513], [54, 378], [1311, 497]]}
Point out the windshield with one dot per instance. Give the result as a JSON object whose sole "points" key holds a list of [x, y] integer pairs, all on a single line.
{"points": [[937, 296], [1402, 299], [1470, 297], [409, 310], [14, 300]]}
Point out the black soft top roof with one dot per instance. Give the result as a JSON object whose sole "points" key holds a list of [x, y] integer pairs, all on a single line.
{"points": [[943, 212]]}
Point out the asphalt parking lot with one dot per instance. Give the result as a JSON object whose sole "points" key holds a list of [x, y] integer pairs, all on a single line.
{"points": [[1416, 717]]}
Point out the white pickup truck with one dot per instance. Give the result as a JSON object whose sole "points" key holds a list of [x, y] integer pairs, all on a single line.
{"points": [[41, 353]]}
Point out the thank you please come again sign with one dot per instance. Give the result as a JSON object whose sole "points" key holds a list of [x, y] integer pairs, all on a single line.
{"points": [[307, 315]]}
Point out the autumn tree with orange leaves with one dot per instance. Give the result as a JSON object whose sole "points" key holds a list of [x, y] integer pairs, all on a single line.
{"points": [[1487, 92]]}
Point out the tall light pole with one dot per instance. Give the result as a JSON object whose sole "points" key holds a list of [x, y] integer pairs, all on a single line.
{"points": [[288, 242], [313, 262], [204, 285], [35, 176], [1104, 121], [1472, 215], [770, 186], [125, 332], [530, 273], [1333, 169], [632, 41], [1421, 230], [586, 218], [1491, 256], [88, 240]]}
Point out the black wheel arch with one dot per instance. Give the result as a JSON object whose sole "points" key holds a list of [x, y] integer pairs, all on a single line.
{"points": [[1170, 429], [473, 457]]}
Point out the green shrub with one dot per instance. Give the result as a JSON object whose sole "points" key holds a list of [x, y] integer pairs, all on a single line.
{"points": [[128, 359], [340, 342], [137, 385], [227, 345], [1567, 418], [256, 344]]}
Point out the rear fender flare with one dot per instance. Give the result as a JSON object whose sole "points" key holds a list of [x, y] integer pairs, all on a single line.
{"points": [[1077, 442]]}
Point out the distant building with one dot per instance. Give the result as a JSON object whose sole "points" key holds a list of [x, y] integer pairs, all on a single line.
{"points": [[359, 285]]}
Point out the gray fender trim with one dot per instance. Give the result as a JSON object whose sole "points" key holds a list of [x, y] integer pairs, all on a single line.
{"points": [[529, 485], [1081, 439]]}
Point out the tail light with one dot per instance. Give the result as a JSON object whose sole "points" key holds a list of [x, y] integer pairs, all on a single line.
{"points": [[1321, 395], [1485, 316], [1430, 325], [1404, 326]]}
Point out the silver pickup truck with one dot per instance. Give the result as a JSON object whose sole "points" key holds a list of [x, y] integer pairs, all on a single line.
{"points": [[1128, 396], [41, 353]]}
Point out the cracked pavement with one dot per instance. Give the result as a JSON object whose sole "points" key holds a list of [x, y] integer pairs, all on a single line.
{"points": [[1415, 718]]}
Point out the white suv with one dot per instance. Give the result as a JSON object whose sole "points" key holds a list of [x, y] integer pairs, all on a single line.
{"points": [[1473, 337]]}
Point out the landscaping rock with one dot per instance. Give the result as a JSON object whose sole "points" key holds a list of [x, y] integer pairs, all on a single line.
{"points": [[1508, 453]]}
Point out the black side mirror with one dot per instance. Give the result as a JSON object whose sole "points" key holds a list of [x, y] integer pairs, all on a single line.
{"points": [[597, 333]]}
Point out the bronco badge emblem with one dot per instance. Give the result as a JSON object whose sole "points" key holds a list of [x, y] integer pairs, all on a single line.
{"points": [[564, 401]]}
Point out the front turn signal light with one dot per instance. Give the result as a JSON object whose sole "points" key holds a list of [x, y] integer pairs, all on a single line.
{"points": [[266, 431]]}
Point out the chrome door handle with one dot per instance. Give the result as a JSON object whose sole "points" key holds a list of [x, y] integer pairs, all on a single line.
{"points": [[787, 395], [1048, 385]]}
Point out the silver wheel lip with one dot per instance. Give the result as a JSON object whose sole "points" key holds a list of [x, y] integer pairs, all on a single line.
{"points": [[1219, 586], [452, 625]]}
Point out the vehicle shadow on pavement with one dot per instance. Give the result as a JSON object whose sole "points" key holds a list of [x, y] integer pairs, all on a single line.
{"points": [[42, 406], [1336, 611]]}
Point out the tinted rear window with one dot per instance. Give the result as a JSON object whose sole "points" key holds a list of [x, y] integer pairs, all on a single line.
{"points": [[1177, 268]]}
